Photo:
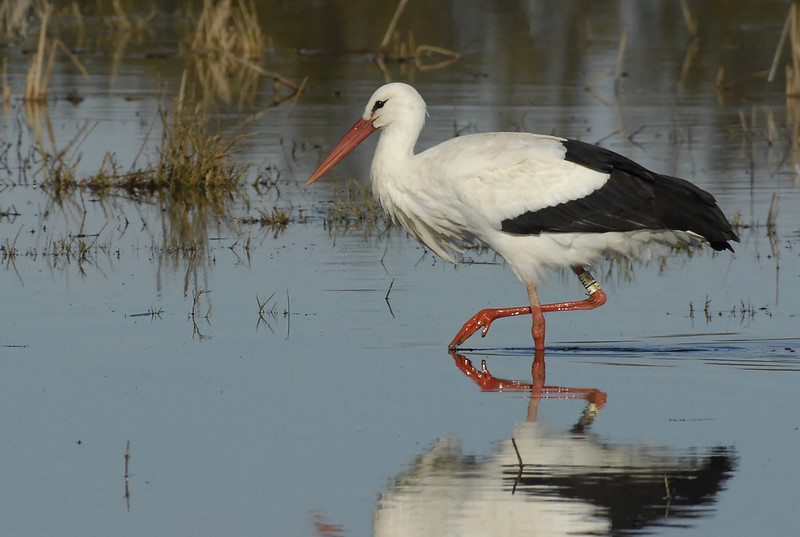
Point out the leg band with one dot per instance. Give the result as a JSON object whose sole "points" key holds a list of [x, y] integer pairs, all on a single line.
{"points": [[588, 282]]}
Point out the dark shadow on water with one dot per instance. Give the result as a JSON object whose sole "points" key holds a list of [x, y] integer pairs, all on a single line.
{"points": [[745, 354]]}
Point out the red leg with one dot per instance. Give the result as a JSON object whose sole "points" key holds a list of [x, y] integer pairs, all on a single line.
{"points": [[537, 325], [595, 299], [483, 319]]}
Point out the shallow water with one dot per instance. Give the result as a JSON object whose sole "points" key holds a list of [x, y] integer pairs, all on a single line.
{"points": [[339, 411]]}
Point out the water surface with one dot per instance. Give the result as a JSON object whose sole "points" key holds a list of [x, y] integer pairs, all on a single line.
{"points": [[338, 410]]}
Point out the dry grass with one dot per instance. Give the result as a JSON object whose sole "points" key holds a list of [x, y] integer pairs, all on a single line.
{"points": [[354, 207], [190, 172], [80, 250], [276, 218], [793, 70], [59, 164], [191, 162], [191, 167], [14, 17], [227, 28], [119, 21], [191, 177], [227, 47], [35, 85], [396, 49], [37, 81], [792, 29], [6, 87]]}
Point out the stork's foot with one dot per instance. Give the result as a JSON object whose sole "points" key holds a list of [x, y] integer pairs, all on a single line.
{"points": [[482, 320]]}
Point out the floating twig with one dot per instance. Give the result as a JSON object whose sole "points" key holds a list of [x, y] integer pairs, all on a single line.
{"points": [[288, 314], [386, 298], [389, 290], [127, 475]]}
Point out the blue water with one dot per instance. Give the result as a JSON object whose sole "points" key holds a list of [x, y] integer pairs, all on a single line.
{"points": [[336, 409]]}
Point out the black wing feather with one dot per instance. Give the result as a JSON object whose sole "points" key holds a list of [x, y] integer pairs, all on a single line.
{"points": [[633, 198]]}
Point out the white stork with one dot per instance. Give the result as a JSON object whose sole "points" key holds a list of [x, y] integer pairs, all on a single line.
{"points": [[541, 202]]}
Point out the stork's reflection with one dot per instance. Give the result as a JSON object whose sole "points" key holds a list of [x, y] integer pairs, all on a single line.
{"points": [[542, 481]]}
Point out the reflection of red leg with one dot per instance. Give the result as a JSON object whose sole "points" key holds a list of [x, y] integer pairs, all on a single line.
{"points": [[483, 319], [323, 528], [537, 385], [537, 372], [537, 388], [484, 379]]}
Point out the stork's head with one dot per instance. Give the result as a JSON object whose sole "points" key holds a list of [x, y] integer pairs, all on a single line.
{"points": [[395, 104]]}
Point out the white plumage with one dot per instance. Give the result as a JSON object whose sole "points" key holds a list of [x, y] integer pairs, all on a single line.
{"points": [[541, 202]]}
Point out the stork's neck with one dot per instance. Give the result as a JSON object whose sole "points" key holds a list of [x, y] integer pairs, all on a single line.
{"points": [[396, 146]]}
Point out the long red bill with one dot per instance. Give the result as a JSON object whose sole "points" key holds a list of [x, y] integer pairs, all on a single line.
{"points": [[349, 141]]}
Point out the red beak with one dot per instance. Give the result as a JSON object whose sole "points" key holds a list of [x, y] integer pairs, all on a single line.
{"points": [[357, 134]]}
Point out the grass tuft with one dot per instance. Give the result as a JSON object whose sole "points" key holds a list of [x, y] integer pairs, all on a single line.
{"points": [[354, 206], [276, 219], [191, 166], [192, 163]]}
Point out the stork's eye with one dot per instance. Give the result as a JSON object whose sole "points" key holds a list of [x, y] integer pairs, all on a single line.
{"points": [[377, 106]]}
